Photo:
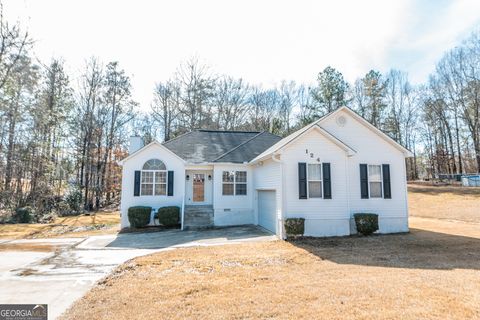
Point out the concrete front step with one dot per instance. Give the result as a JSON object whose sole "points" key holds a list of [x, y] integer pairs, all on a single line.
{"points": [[198, 217]]}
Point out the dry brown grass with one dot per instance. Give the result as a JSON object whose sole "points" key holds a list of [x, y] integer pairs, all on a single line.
{"points": [[445, 202], [100, 223], [422, 275], [431, 273]]}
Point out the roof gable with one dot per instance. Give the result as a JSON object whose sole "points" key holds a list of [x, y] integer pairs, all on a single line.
{"points": [[295, 135], [148, 146], [370, 126]]}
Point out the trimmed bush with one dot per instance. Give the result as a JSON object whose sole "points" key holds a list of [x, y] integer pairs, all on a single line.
{"points": [[23, 215], [367, 223], [169, 216], [139, 217], [295, 226]]}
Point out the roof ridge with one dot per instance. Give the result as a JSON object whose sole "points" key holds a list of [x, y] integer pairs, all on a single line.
{"points": [[229, 131], [177, 137], [241, 144]]}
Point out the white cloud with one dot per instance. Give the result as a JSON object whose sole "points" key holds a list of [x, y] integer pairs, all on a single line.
{"points": [[261, 41]]}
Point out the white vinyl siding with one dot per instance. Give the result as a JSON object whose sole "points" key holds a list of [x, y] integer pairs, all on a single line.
{"points": [[315, 208], [136, 163], [228, 209], [372, 149]]}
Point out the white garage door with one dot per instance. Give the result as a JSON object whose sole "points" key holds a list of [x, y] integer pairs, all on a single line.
{"points": [[266, 210]]}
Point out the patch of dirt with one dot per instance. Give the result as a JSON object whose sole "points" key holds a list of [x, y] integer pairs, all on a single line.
{"points": [[71, 226], [37, 247]]}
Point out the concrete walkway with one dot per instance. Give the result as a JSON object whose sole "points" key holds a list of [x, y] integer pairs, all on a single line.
{"points": [[61, 270]]}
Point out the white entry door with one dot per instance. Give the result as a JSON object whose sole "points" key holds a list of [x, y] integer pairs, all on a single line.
{"points": [[267, 210]]}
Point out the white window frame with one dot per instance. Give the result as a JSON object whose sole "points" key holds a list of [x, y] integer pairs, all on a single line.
{"points": [[154, 182], [376, 181], [234, 182], [321, 180]]}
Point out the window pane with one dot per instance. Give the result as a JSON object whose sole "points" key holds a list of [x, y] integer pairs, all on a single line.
{"points": [[374, 173], [147, 177], [241, 189], [146, 189], [160, 189], [154, 164], [160, 177], [241, 176], [314, 189], [227, 189], [375, 189], [228, 176], [314, 172]]}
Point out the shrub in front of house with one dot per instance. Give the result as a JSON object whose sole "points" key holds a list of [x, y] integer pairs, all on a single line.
{"points": [[295, 227], [23, 215], [139, 216], [367, 223], [169, 216]]}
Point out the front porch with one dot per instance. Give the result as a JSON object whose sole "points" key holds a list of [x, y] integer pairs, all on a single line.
{"points": [[198, 211]]}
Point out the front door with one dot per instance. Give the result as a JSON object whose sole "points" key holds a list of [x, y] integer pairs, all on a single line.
{"points": [[198, 187]]}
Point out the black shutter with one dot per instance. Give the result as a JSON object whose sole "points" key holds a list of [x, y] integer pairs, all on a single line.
{"points": [[302, 180], [363, 181], [170, 184], [136, 186], [327, 183], [387, 191]]}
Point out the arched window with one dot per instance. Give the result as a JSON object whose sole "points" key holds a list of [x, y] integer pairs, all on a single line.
{"points": [[154, 164], [154, 178]]}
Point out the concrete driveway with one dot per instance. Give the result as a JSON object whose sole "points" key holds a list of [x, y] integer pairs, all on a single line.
{"points": [[61, 270]]}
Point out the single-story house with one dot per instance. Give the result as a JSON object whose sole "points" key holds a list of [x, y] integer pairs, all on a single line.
{"points": [[325, 172]]}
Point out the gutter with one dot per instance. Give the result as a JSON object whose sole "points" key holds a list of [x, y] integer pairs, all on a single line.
{"points": [[280, 220]]}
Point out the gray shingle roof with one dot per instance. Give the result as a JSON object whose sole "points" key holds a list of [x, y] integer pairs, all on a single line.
{"points": [[202, 146]]}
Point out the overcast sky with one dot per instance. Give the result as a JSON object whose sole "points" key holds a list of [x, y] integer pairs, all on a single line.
{"points": [[260, 41]]}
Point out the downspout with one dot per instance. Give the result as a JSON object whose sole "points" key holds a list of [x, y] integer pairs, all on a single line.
{"points": [[183, 201], [282, 209], [349, 187], [183, 210], [406, 192]]}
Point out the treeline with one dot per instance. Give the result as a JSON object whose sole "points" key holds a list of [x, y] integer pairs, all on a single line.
{"points": [[59, 146], [60, 139], [438, 121]]}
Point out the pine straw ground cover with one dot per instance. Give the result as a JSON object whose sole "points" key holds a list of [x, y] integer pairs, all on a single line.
{"points": [[421, 275]]}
